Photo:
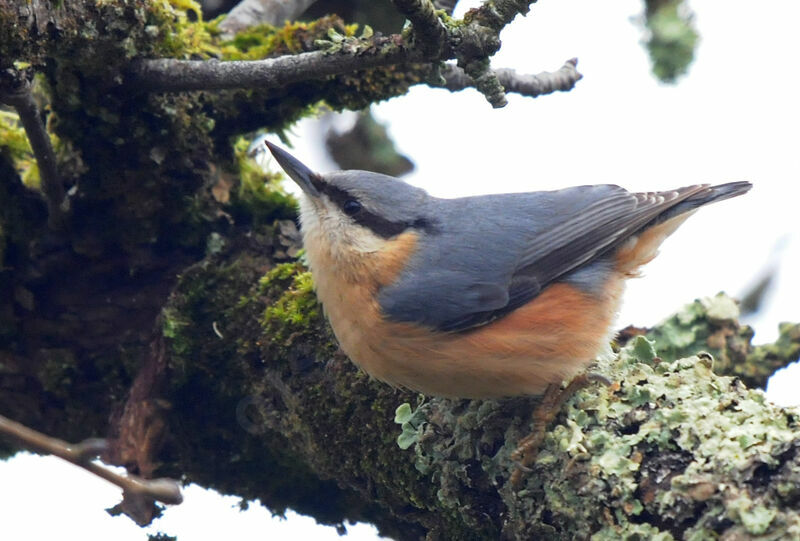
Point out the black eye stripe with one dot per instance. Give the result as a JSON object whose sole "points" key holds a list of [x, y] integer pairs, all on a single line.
{"points": [[377, 224]]}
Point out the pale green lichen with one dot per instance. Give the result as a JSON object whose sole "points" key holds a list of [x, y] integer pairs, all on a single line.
{"points": [[670, 450], [720, 427], [710, 324], [410, 423]]}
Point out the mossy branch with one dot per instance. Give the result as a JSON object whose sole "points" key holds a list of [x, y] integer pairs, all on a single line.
{"points": [[180, 75], [432, 40], [16, 92]]}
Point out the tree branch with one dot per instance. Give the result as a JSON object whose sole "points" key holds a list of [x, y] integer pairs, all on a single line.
{"points": [[546, 82], [19, 96], [471, 41], [429, 32], [180, 75], [163, 490]]}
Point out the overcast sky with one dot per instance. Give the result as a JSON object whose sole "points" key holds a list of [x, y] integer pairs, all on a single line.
{"points": [[734, 117]]}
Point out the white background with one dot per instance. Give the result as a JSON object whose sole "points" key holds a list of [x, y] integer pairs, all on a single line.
{"points": [[734, 117]]}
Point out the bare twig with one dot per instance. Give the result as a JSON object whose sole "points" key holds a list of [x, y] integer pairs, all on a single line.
{"points": [[21, 99], [180, 75], [162, 490], [428, 30], [547, 82], [252, 12]]}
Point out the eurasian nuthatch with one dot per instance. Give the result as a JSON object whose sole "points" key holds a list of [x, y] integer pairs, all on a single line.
{"points": [[478, 297]]}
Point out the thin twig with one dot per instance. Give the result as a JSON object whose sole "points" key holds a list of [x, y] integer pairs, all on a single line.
{"points": [[163, 490], [547, 82], [21, 99], [171, 75], [249, 13], [428, 30]]}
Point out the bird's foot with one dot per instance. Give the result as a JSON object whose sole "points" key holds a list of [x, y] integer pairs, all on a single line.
{"points": [[553, 399]]}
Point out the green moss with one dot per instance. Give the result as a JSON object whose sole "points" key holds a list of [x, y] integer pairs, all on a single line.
{"points": [[259, 196], [296, 312], [177, 35], [262, 41], [15, 145]]}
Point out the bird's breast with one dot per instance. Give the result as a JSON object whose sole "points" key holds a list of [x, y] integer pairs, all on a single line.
{"points": [[550, 338]]}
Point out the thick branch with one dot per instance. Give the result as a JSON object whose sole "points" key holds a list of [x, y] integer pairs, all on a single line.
{"points": [[472, 42], [22, 100], [547, 82], [181, 75]]}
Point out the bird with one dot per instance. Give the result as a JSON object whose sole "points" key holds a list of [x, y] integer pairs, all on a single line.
{"points": [[479, 297]]}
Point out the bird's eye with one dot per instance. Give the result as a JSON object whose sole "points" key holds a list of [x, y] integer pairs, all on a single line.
{"points": [[351, 207]]}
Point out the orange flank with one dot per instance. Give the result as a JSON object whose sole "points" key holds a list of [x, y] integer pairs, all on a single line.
{"points": [[553, 337]]}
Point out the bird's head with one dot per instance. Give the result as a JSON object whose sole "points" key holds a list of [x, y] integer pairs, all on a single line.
{"points": [[355, 212]]}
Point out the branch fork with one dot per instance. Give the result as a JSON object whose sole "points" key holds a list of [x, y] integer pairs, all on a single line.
{"points": [[431, 39]]}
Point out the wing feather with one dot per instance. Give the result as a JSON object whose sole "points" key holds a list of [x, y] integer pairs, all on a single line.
{"points": [[480, 270]]}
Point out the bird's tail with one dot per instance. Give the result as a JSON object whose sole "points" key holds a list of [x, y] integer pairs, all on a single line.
{"points": [[708, 195]]}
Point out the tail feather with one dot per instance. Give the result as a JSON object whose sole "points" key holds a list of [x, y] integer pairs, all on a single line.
{"points": [[643, 247], [710, 194]]}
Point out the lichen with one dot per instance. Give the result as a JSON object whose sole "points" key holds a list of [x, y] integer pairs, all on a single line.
{"points": [[710, 324], [670, 450]]}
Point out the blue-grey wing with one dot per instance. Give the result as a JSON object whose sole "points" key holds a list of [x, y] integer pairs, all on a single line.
{"points": [[488, 255]]}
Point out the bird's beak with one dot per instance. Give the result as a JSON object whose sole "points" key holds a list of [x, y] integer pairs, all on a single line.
{"points": [[301, 174]]}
